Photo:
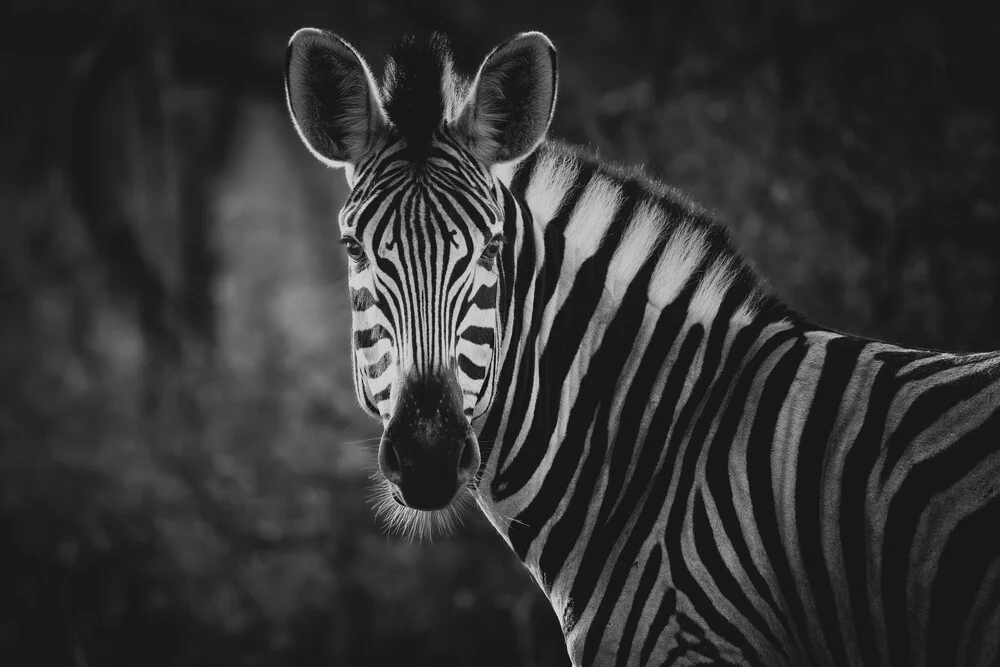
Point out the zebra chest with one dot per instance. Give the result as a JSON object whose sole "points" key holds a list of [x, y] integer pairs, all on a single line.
{"points": [[660, 597], [655, 627]]}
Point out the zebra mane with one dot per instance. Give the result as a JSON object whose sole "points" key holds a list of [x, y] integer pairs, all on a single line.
{"points": [[601, 206], [419, 88]]}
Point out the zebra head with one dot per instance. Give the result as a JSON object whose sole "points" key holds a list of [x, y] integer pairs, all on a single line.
{"points": [[424, 227]]}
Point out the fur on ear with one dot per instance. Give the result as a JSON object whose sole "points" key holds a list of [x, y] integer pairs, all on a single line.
{"points": [[511, 101], [332, 97]]}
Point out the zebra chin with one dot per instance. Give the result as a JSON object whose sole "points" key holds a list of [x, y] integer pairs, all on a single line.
{"points": [[413, 523]]}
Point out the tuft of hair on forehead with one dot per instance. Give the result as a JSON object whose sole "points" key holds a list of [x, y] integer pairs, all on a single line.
{"points": [[419, 87]]}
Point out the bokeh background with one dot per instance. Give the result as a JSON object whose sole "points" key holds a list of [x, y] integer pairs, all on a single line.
{"points": [[183, 468]]}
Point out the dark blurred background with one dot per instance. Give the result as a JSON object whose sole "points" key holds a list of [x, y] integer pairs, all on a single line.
{"points": [[183, 468]]}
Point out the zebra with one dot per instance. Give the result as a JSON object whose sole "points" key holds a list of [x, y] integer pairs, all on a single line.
{"points": [[691, 471]]}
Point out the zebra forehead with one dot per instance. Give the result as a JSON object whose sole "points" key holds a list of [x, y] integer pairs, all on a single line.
{"points": [[433, 199]]}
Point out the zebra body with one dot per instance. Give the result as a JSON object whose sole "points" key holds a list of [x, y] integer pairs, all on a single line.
{"points": [[768, 466], [691, 472]]}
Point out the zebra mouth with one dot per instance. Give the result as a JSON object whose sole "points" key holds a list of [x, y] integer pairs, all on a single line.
{"points": [[397, 495]]}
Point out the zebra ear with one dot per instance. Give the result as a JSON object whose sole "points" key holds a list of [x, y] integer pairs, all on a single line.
{"points": [[510, 103], [332, 97]]}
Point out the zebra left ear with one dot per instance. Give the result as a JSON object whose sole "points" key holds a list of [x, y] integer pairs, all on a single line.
{"points": [[511, 102], [332, 97]]}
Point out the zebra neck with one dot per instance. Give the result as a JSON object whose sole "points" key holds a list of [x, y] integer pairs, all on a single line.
{"points": [[591, 229], [607, 271]]}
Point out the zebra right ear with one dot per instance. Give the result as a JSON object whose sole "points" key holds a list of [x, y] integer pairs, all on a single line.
{"points": [[332, 97], [511, 102]]}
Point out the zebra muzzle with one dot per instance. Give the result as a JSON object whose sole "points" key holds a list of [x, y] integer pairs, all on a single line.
{"points": [[428, 451]]}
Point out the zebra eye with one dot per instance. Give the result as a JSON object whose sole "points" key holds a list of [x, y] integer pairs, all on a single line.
{"points": [[354, 249], [492, 249]]}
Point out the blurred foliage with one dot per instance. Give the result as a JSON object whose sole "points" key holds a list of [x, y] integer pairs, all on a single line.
{"points": [[183, 468]]}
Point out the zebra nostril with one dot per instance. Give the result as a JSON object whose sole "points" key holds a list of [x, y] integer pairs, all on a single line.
{"points": [[388, 462], [468, 463]]}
